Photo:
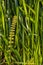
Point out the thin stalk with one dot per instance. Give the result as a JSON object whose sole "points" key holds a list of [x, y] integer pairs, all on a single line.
{"points": [[42, 34], [36, 27], [23, 45], [24, 5], [17, 13], [28, 24], [32, 39]]}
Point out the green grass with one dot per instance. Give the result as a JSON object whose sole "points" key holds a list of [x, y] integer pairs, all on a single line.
{"points": [[21, 32]]}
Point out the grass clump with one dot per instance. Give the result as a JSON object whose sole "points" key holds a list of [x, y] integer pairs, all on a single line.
{"points": [[21, 32]]}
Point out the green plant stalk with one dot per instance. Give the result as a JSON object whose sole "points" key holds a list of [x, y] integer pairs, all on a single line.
{"points": [[42, 35], [0, 48], [24, 5], [3, 22], [17, 13], [39, 51], [32, 38], [36, 27], [7, 18], [36, 18], [23, 48], [27, 18], [23, 44], [28, 37]]}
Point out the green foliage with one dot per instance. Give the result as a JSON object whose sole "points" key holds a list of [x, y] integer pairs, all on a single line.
{"points": [[21, 32]]}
